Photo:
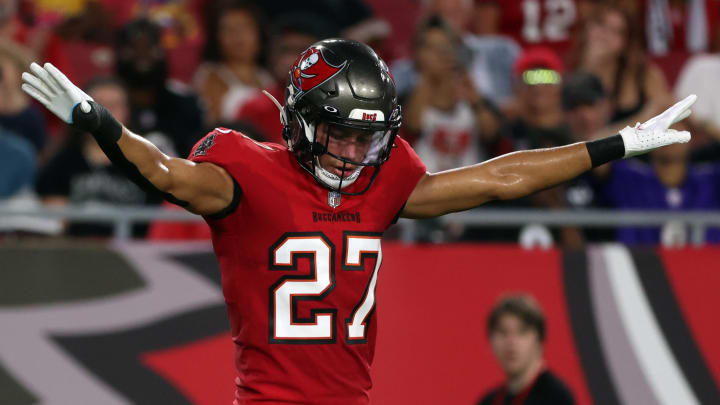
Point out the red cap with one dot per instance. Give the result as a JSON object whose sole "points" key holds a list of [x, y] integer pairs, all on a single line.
{"points": [[538, 58]]}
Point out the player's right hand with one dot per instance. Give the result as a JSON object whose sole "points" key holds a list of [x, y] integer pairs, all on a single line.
{"points": [[54, 90]]}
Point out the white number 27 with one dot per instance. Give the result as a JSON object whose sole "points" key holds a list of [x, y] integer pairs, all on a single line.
{"points": [[285, 325]]}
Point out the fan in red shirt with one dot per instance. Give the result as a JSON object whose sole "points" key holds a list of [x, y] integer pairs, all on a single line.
{"points": [[297, 229], [538, 22]]}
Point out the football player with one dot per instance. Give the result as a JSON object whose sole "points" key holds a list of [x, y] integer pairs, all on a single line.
{"points": [[297, 228]]}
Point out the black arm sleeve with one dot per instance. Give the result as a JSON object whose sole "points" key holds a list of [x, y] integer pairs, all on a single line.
{"points": [[107, 131]]}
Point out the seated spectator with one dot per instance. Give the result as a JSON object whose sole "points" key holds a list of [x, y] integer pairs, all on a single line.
{"points": [[700, 77], [677, 29], [681, 27], [537, 121], [234, 52], [81, 174], [456, 14], [668, 183], [609, 47], [443, 111], [291, 34], [16, 25], [17, 113], [157, 105], [181, 24], [535, 116], [516, 329], [547, 23], [87, 38], [451, 124], [351, 19], [17, 166], [587, 112], [586, 105], [493, 54]]}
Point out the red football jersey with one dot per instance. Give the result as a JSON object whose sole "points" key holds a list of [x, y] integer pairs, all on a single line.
{"points": [[539, 22], [298, 276]]}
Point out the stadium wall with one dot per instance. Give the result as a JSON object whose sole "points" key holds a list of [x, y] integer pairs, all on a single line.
{"points": [[145, 323]]}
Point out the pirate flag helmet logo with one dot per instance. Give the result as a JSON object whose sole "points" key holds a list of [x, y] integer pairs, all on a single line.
{"points": [[311, 69]]}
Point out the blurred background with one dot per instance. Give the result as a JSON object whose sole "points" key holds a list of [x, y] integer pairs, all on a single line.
{"points": [[110, 296]]}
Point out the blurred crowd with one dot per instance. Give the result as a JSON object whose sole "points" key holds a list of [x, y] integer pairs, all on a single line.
{"points": [[476, 79]]}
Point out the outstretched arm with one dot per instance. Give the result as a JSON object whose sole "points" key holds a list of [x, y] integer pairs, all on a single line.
{"points": [[202, 188], [518, 174]]}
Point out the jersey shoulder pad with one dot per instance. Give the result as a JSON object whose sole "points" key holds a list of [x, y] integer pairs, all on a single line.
{"points": [[223, 145], [404, 156], [238, 154]]}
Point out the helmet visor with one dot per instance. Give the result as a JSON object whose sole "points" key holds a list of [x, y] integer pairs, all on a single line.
{"points": [[357, 146]]}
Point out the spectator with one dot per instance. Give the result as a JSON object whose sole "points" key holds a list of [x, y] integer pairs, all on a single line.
{"points": [[19, 28], [17, 114], [609, 47], [493, 54], [516, 329], [677, 29], [587, 112], [17, 166], [456, 12], [234, 52], [81, 174], [587, 108], [291, 34], [547, 23], [668, 183], [156, 104], [181, 24], [87, 39], [443, 111], [352, 19], [537, 119], [680, 27], [699, 76]]}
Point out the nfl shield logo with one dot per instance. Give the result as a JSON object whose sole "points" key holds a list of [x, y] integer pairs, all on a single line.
{"points": [[333, 199]]}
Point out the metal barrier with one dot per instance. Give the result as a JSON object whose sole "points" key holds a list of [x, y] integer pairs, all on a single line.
{"points": [[123, 218]]}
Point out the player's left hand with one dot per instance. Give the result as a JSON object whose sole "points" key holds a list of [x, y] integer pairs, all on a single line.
{"points": [[656, 132]]}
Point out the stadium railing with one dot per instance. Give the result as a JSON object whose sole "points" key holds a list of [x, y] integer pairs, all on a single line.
{"points": [[47, 220]]}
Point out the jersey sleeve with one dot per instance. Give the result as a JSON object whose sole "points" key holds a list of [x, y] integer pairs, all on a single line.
{"points": [[241, 156], [413, 167], [404, 165], [238, 154]]}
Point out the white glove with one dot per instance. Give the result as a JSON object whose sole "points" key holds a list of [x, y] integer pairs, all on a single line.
{"points": [[655, 132], [55, 91]]}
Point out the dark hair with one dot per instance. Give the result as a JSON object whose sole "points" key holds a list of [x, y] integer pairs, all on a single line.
{"points": [[632, 59], [462, 52], [431, 23], [522, 306], [581, 89], [304, 22], [102, 81], [212, 51], [138, 26]]}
